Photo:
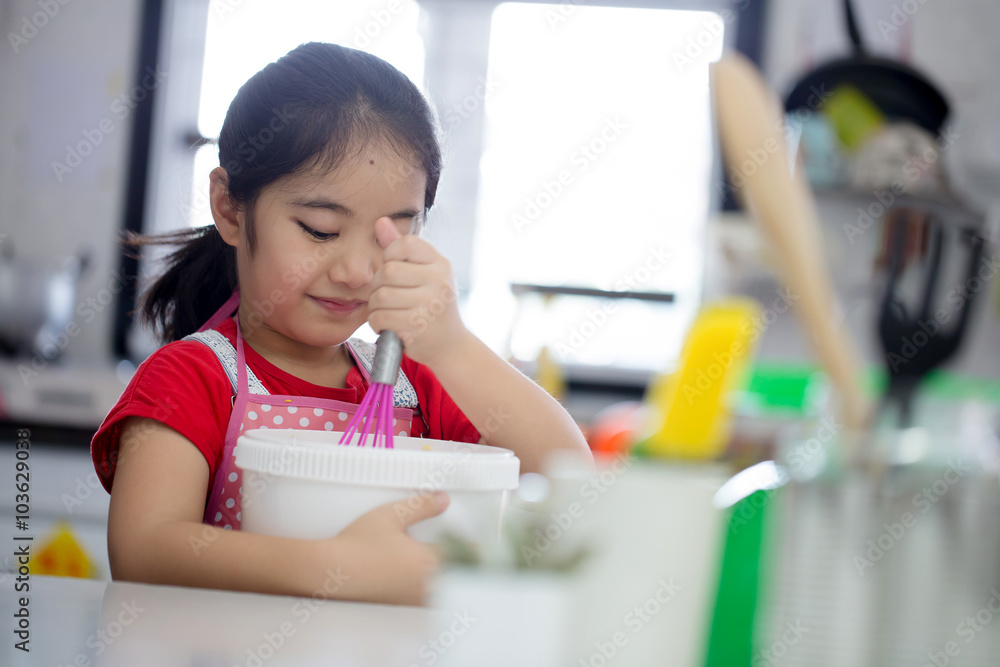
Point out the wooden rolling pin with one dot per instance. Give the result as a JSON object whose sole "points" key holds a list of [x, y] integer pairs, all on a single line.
{"points": [[751, 130]]}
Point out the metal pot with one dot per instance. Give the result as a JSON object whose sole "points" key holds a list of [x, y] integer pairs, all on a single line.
{"points": [[885, 564], [36, 302]]}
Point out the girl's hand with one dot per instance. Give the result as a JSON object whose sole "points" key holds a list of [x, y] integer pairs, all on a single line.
{"points": [[389, 566], [413, 294]]}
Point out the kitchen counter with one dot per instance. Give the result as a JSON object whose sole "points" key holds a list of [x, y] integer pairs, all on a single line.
{"points": [[643, 594], [88, 622]]}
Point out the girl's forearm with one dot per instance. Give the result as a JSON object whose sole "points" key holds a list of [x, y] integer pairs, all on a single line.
{"points": [[184, 553], [507, 408]]}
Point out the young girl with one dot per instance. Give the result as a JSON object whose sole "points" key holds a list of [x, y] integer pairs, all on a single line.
{"points": [[329, 159]]}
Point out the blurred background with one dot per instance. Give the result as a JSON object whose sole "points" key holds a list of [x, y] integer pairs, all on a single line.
{"points": [[590, 221]]}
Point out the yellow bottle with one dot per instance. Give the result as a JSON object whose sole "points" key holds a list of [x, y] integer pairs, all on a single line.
{"points": [[689, 409]]}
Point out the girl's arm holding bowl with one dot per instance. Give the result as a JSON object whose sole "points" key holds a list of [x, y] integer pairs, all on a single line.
{"points": [[156, 535]]}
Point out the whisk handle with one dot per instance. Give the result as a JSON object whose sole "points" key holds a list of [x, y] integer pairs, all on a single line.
{"points": [[388, 355]]}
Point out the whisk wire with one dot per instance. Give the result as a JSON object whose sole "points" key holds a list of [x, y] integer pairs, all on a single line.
{"points": [[388, 425], [352, 426], [375, 411]]}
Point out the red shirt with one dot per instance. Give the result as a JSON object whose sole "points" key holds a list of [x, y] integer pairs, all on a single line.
{"points": [[183, 386]]}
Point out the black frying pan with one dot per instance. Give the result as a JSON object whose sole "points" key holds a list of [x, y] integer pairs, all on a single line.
{"points": [[899, 91]]}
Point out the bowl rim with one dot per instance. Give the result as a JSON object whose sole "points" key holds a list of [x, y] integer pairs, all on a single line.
{"points": [[316, 455]]}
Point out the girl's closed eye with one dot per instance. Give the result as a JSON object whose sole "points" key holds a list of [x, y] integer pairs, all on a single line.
{"points": [[411, 224], [318, 235]]}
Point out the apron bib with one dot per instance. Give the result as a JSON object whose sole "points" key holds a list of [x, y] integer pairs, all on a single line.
{"points": [[254, 407]]}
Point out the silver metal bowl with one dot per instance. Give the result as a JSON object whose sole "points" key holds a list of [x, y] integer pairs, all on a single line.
{"points": [[37, 302]]}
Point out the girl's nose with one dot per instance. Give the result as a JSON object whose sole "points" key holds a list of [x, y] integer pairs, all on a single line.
{"points": [[356, 266]]}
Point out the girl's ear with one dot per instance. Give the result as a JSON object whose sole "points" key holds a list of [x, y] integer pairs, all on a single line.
{"points": [[227, 217]]}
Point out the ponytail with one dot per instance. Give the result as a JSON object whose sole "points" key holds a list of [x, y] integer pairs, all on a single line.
{"points": [[200, 276]]}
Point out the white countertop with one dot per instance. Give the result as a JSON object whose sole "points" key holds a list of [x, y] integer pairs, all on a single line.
{"points": [[89, 622], [653, 531]]}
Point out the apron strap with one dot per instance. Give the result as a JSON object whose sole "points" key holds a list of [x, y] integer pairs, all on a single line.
{"points": [[226, 354]]}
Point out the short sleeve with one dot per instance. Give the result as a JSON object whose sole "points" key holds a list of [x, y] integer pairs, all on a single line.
{"points": [[445, 420], [181, 385]]}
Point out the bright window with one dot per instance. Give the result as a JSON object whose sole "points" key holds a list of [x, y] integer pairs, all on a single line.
{"points": [[596, 173]]}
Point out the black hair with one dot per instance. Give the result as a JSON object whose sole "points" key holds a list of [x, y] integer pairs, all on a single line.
{"points": [[303, 111]]}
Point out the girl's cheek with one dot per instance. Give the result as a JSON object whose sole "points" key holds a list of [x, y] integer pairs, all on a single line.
{"points": [[307, 268]]}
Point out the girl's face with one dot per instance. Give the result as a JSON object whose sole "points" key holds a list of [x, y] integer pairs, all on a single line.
{"points": [[309, 277]]}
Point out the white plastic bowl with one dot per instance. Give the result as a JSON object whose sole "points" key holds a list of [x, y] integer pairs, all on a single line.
{"points": [[303, 484]]}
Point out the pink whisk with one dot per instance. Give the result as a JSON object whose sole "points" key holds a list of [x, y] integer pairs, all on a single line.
{"points": [[377, 404]]}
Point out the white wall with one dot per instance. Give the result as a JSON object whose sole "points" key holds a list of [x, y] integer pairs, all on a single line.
{"points": [[68, 84]]}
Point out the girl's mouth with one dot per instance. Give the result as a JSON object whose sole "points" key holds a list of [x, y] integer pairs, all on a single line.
{"points": [[338, 306]]}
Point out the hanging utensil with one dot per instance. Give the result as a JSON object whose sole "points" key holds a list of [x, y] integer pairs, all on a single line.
{"points": [[916, 344]]}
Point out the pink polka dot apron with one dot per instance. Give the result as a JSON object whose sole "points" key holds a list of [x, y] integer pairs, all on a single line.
{"points": [[254, 407]]}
